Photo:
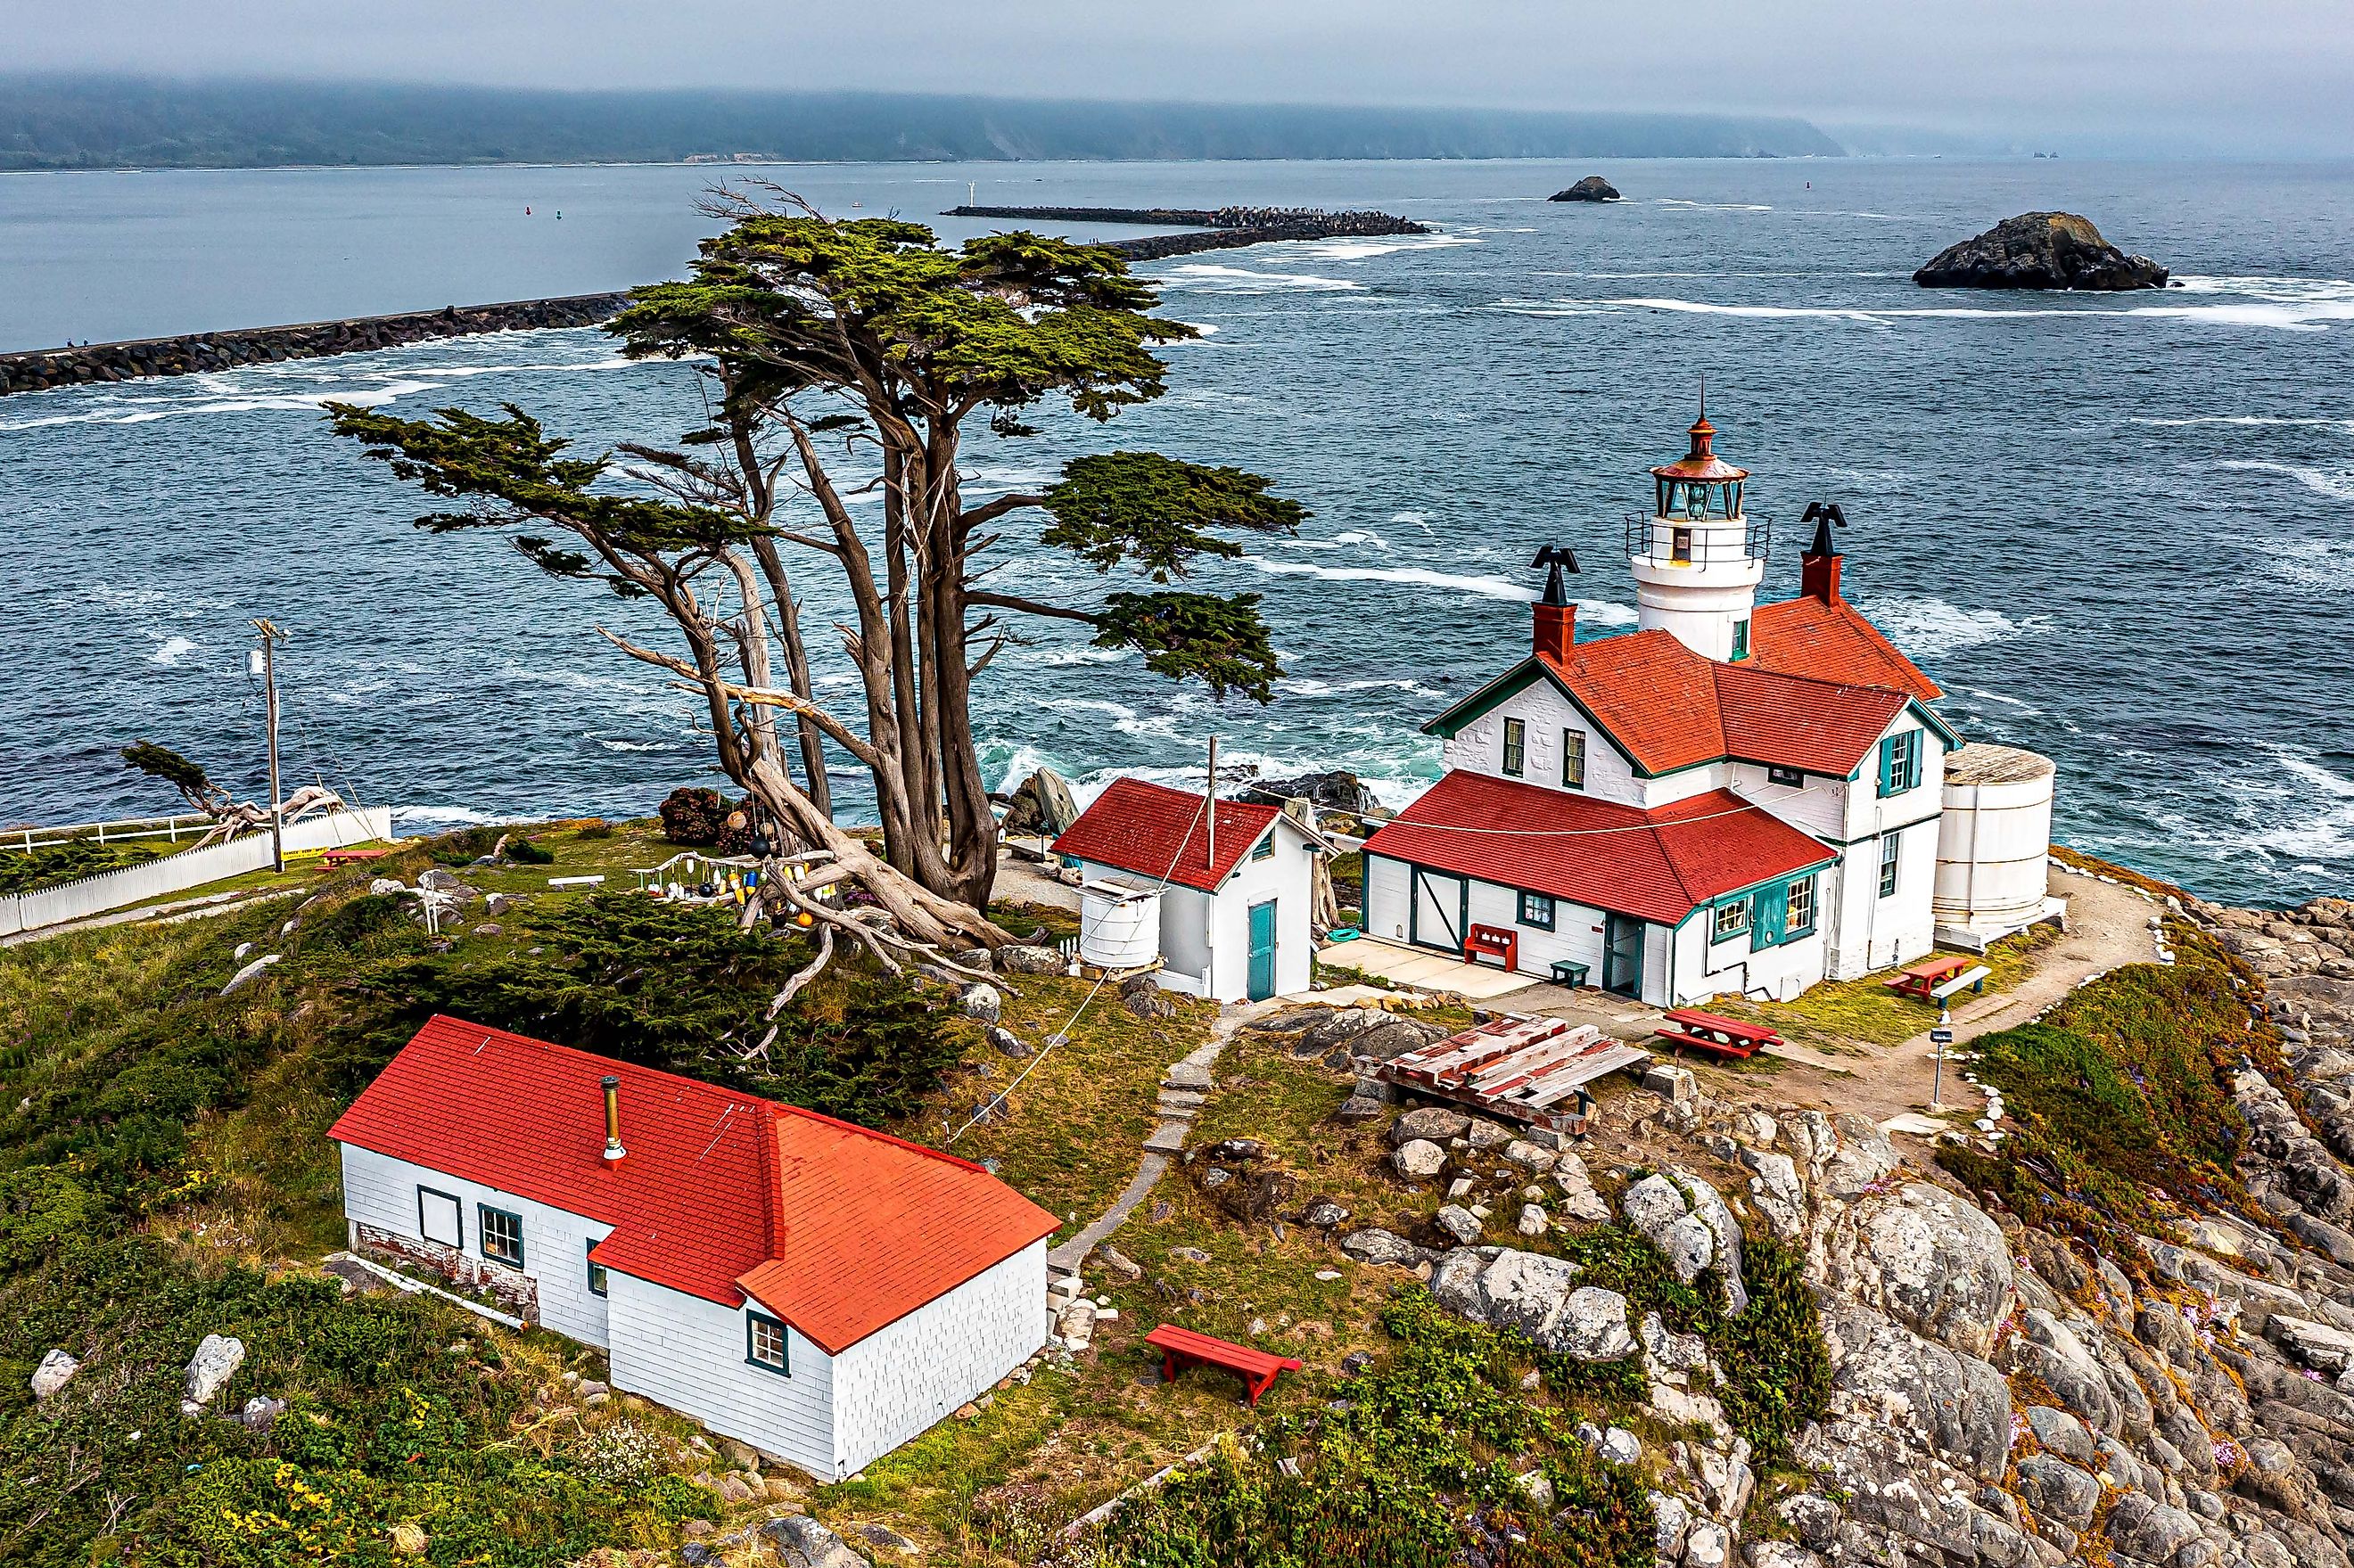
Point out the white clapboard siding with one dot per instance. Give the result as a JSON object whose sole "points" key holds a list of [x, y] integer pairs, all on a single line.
{"points": [[689, 1354], [381, 1192], [905, 1377]]}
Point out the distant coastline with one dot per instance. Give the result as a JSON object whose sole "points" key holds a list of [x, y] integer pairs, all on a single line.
{"points": [[129, 123]]}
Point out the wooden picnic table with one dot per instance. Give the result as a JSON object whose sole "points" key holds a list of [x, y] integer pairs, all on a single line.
{"points": [[1918, 981], [1724, 1036], [1181, 1347], [348, 856]]}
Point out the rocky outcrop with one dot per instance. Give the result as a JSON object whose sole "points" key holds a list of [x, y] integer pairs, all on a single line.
{"points": [[1042, 807], [1592, 187], [37, 370], [1220, 228], [1337, 790], [2040, 250]]}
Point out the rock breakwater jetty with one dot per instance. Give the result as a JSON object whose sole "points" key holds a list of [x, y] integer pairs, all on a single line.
{"points": [[1213, 228], [37, 370]]}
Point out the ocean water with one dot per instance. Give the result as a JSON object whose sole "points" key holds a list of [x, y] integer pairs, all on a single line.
{"points": [[2116, 529]]}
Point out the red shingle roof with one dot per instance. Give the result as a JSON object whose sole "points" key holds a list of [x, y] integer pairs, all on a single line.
{"points": [[1831, 641], [1658, 865], [1669, 707], [837, 1229], [1153, 832]]}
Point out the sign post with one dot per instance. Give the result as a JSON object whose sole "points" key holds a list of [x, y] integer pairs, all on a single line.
{"points": [[1940, 1037]]}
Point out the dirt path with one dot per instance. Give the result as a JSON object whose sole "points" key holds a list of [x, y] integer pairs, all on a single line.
{"points": [[2108, 927]]}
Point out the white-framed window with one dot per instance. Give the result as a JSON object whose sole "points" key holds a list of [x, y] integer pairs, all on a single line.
{"points": [[440, 1217], [1572, 759], [1516, 747], [765, 1343], [1890, 847], [1801, 917], [1731, 918], [1536, 910]]}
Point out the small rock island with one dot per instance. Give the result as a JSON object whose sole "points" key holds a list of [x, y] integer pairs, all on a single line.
{"points": [[2040, 250], [1592, 187]]}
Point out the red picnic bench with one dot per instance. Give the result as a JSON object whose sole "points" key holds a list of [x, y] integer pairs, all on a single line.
{"points": [[1919, 980], [348, 856], [1180, 1347], [1494, 942], [1722, 1036]]}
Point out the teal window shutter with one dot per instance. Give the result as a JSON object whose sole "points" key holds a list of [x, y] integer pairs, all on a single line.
{"points": [[1888, 766]]}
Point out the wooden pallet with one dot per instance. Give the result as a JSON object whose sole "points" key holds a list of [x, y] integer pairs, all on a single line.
{"points": [[1519, 1068]]}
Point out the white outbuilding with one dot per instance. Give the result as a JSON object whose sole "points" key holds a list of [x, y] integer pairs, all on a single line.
{"points": [[817, 1291], [1223, 901]]}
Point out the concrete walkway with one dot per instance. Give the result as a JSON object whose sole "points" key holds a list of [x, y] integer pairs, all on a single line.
{"points": [[1184, 1089]]}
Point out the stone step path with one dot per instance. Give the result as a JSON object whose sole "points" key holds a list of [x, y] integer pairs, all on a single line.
{"points": [[1184, 1089]]}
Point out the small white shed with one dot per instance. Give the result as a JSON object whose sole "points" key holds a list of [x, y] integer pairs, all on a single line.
{"points": [[1234, 919], [817, 1291]]}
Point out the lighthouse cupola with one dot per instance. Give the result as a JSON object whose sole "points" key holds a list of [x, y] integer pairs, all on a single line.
{"points": [[1697, 558]]}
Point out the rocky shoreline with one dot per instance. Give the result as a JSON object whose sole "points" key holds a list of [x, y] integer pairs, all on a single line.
{"points": [[1218, 229], [37, 370]]}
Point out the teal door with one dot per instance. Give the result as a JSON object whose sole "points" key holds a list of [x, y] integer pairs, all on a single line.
{"points": [[1769, 913], [1262, 950], [1622, 955]]}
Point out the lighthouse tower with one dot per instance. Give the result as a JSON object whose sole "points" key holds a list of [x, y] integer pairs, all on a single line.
{"points": [[1697, 559]]}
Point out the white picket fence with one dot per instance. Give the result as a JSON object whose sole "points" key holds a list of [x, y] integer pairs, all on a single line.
{"points": [[190, 868]]}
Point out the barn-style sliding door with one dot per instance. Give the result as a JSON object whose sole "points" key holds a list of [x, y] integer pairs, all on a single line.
{"points": [[1441, 908]]}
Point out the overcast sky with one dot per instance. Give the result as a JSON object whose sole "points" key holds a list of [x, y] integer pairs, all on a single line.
{"points": [[2244, 76]]}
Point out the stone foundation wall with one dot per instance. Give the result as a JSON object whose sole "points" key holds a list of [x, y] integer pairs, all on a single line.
{"points": [[40, 370], [510, 1291]]}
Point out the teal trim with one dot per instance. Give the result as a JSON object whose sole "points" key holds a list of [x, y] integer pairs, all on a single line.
{"points": [[1769, 915], [1511, 683], [1715, 932], [494, 1240], [598, 1279], [1530, 912]]}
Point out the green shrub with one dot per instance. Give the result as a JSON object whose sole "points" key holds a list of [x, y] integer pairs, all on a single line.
{"points": [[1401, 1472]]}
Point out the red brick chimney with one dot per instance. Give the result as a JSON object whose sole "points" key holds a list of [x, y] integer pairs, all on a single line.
{"points": [[1818, 568], [1556, 611], [1556, 630]]}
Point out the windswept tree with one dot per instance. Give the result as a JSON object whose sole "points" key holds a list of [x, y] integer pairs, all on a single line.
{"points": [[843, 361], [229, 816]]}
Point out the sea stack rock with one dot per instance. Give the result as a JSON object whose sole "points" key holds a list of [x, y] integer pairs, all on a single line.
{"points": [[1592, 187], [2040, 250]]}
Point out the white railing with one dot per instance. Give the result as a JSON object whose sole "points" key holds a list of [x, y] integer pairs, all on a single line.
{"points": [[190, 868], [187, 825]]}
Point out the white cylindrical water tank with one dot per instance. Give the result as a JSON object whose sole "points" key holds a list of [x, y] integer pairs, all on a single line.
{"points": [[1994, 841], [1119, 925]]}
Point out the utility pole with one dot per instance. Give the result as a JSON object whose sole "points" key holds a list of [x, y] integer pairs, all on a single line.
{"points": [[1209, 804], [265, 664]]}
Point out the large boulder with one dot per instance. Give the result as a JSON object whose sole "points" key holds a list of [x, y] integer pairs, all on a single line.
{"points": [[1374, 1244], [800, 1542], [1592, 187], [1028, 958], [1887, 1379], [1418, 1159], [2040, 250], [215, 1362], [1042, 807], [1433, 1124], [1933, 1261], [1536, 1295]]}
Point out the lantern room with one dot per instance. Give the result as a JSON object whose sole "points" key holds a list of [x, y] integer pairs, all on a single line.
{"points": [[1699, 484]]}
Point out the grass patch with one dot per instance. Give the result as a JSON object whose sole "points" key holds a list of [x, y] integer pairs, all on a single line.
{"points": [[2120, 1101], [54, 866], [1071, 1135], [1834, 1013]]}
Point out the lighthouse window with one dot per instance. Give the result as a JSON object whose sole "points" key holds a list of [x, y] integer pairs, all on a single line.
{"points": [[1516, 747], [1572, 759], [1741, 639], [1695, 501], [1679, 545]]}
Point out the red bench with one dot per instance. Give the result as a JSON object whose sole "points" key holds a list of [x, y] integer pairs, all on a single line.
{"points": [[1494, 942], [1722, 1036], [1918, 981], [1182, 1347]]}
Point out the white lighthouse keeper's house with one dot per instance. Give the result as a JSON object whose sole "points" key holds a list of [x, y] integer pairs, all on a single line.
{"points": [[1733, 798], [821, 1291], [1234, 895]]}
